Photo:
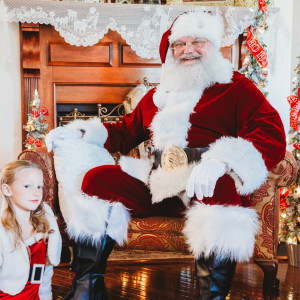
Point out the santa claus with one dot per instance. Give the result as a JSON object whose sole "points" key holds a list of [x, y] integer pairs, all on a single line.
{"points": [[214, 138]]}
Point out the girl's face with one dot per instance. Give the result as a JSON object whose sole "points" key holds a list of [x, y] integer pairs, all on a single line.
{"points": [[26, 191]]}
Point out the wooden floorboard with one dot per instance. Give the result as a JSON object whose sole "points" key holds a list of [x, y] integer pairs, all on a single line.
{"points": [[170, 281]]}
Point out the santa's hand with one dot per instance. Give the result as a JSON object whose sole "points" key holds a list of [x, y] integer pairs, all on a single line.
{"points": [[58, 134], [203, 178]]}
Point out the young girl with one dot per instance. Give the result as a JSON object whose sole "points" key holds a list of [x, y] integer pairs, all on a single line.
{"points": [[30, 242]]}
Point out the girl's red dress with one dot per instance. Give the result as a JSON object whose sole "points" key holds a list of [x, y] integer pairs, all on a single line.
{"points": [[38, 253]]}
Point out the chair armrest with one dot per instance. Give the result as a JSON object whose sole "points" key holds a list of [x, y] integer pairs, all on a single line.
{"points": [[44, 160], [285, 172], [266, 201]]}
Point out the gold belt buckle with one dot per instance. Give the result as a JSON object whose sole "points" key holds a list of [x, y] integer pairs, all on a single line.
{"points": [[173, 157]]}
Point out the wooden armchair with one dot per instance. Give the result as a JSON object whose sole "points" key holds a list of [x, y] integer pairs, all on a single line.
{"points": [[164, 233]]}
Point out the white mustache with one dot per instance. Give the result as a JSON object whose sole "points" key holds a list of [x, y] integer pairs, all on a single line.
{"points": [[190, 56]]}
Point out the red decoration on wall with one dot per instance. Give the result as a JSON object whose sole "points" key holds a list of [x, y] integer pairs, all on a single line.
{"points": [[256, 49], [294, 102], [297, 146], [263, 5]]}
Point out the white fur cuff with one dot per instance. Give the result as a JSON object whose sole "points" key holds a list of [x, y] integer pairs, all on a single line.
{"points": [[166, 184], [244, 161], [227, 231], [137, 168], [89, 218], [94, 131]]}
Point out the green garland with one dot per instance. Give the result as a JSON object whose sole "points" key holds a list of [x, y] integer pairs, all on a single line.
{"points": [[289, 230], [251, 68]]}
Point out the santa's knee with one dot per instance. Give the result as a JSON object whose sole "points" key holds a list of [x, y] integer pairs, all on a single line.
{"points": [[95, 181]]}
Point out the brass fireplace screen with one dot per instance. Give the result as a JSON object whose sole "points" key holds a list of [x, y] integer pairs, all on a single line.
{"points": [[107, 113]]}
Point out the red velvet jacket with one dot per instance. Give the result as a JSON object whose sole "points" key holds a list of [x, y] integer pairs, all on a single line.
{"points": [[237, 109]]}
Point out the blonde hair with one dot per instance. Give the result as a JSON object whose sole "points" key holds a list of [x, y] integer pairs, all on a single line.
{"points": [[7, 214]]}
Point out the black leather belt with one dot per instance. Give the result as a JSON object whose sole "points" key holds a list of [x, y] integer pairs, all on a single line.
{"points": [[193, 155], [36, 273]]}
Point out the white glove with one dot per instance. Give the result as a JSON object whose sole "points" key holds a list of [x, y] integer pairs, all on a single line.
{"points": [[203, 178]]}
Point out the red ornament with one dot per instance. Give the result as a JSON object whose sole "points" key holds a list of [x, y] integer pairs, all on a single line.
{"points": [[30, 140], [283, 204], [44, 111], [38, 143], [297, 146], [36, 113]]}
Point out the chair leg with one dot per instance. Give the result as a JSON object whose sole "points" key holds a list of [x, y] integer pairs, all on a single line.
{"points": [[269, 268]]}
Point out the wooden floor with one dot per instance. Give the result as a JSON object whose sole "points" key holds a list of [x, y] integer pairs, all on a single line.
{"points": [[170, 281]]}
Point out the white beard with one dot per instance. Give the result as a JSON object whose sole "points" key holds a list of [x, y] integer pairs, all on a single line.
{"points": [[180, 89], [177, 77]]}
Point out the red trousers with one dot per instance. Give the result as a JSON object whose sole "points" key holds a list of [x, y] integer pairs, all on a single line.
{"points": [[109, 182]]}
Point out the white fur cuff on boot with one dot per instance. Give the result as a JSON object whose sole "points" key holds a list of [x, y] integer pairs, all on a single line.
{"points": [[227, 231]]}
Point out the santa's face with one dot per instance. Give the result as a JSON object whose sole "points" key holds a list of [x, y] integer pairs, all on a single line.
{"points": [[189, 50]]}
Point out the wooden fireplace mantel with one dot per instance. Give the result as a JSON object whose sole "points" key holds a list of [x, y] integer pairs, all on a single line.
{"points": [[69, 75]]}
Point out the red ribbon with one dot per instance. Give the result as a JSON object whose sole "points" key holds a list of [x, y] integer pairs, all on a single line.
{"points": [[283, 195], [263, 5], [256, 49], [294, 102], [297, 146]]}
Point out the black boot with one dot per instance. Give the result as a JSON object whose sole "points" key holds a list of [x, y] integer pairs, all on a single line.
{"points": [[90, 265], [214, 277]]}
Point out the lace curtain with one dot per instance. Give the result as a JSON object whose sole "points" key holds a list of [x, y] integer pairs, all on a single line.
{"points": [[83, 24]]}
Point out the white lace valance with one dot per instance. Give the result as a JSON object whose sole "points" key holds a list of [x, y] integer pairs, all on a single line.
{"points": [[83, 24]]}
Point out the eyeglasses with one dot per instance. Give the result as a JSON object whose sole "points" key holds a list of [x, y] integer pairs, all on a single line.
{"points": [[194, 44]]}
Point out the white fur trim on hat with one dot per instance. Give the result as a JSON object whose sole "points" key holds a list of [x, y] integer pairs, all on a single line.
{"points": [[227, 231], [200, 25], [244, 161]]}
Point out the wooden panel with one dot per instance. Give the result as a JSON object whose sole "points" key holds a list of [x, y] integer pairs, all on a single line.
{"points": [[99, 55], [109, 75], [129, 58], [29, 68], [31, 49], [104, 93]]}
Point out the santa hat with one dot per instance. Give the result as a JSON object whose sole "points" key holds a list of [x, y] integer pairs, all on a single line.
{"points": [[200, 24]]}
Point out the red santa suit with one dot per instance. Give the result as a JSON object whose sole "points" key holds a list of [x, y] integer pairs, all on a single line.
{"points": [[233, 119], [226, 113], [203, 106]]}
